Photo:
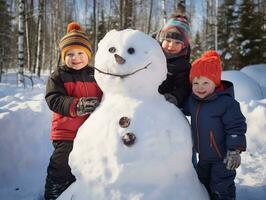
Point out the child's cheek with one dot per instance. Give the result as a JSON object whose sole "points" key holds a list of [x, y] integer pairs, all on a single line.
{"points": [[164, 45]]}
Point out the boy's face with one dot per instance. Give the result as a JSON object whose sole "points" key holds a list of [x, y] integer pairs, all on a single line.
{"points": [[76, 59], [202, 86], [172, 46]]}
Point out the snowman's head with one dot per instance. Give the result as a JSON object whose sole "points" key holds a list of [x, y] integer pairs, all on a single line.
{"points": [[130, 62]]}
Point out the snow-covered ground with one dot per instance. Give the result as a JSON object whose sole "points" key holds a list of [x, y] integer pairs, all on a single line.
{"points": [[25, 146]]}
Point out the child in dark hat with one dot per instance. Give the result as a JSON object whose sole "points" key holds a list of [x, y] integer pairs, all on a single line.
{"points": [[174, 40], [72, 94], [218, 127]]}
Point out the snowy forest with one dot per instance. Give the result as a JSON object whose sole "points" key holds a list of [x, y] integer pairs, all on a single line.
{"points": [[31, 29]]}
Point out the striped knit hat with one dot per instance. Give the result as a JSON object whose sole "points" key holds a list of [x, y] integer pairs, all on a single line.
{"points": [[75, 39], [177, 27]]}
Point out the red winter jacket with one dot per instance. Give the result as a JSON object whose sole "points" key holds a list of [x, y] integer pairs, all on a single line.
{"points": [[64, 88]]}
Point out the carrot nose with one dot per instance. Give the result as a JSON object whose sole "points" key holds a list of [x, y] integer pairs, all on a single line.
{"points": [[119, 59]]}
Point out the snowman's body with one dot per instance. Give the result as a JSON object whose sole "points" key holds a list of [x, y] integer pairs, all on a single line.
{"points": [[157, 166]]}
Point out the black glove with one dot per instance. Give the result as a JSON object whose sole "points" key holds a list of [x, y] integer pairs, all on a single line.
{"points": [[86, 105], [233, 159], [171, 98]]}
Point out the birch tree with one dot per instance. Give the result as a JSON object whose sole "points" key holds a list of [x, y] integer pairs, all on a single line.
{"points": [[150, 16], [5, 35], [164, 11], [95, 24], [128, 14], [21, 8], [40, 38]]}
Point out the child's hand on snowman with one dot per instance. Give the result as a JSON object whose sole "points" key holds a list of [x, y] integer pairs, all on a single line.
{"points": [[86, 105], [232, 159], [171, 98]]}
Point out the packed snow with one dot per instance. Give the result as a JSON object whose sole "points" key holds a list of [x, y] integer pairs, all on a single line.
{"points": [[25, 147]]}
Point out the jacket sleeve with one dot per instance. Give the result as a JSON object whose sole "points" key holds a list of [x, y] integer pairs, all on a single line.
{"points": [[182, 87], [235, 126], [168, 85], [185, 109], [56, 97]]}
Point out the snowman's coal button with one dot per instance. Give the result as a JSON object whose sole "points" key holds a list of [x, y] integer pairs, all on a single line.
{"points": [[124, 122], [128, 139]]}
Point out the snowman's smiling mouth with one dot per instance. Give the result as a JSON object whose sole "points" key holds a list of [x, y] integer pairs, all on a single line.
{"points": [[123, 75]]}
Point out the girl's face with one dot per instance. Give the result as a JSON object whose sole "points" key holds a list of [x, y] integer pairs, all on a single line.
{"points": [[202, 86], [172, 46], [76, 59]]}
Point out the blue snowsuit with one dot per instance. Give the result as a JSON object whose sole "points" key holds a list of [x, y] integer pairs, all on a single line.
{"points": [[217, 126]]}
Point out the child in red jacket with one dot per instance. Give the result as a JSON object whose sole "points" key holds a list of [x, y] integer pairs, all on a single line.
{"points": [[72, 94]]}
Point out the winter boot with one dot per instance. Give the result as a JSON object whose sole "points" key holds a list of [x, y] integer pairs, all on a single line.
{"points": [[54, 189]]}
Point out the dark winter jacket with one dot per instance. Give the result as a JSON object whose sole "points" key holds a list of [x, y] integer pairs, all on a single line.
{"points": [[64, 88], [217, 123], [177, 81]]}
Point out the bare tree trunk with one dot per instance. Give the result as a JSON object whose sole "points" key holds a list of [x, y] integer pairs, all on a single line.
{"points": [[121, 7], [52, 53], [85, 14], [40, 39], [21, 9], [2, 53], [32, 36], [128, 14], [56, 30], [44, 45], [95, 24], [164, 11], [181, 7], [150, 15], [28, 37]]}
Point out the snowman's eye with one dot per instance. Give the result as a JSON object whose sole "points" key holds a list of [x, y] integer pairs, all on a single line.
{"points": [[131, 50], [112, 49]]}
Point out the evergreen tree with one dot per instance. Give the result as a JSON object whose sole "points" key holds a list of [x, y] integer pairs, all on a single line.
{"points": [[196, 51], [6, 34], [228, 29], [250, 33]]}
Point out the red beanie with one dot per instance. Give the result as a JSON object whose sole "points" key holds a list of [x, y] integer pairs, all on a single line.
{"points": [[208, 65]]}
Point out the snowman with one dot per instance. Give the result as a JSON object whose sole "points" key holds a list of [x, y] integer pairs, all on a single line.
{"points": [[136, 145]]}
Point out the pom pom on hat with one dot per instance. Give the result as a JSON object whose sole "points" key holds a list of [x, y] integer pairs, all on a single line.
{"points": [[208, 65], [73, 26], [211, 53], [75, 39]]}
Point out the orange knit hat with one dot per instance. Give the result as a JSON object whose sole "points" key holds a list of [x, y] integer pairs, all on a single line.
{"points": [[75, 38], [208, 65]]}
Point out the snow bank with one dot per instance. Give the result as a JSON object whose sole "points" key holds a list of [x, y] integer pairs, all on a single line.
{"points": [[249, 83], [24, 140]]}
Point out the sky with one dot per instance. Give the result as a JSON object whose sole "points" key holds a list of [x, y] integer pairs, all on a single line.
{"points": [[25, 145]]}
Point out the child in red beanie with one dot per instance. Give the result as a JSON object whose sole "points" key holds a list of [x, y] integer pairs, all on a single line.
{"points": [[72, 94], [218, 127]]}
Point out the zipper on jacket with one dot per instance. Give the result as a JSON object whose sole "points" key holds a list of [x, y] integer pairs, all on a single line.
{"points": [[197, 128], [214, 144]]}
